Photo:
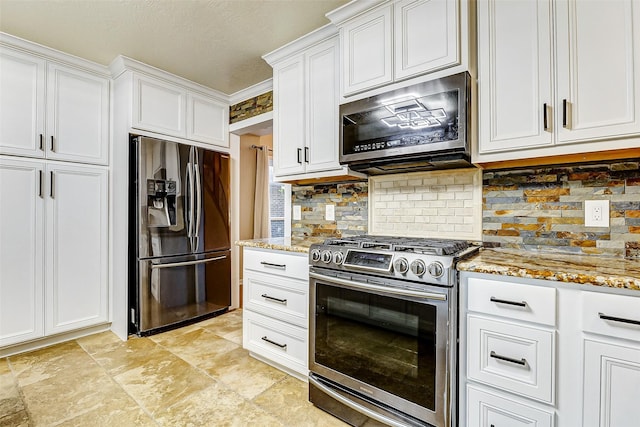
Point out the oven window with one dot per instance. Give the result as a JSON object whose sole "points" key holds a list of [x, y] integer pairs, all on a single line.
{"points": [[386, 342]]}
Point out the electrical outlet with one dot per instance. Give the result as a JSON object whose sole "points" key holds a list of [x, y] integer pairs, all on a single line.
{"points": [[330, 213], [596, 213], [297, 212]]}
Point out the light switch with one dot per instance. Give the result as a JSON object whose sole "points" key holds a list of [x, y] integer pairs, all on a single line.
{"points": [[330, 213], [297, 213]]}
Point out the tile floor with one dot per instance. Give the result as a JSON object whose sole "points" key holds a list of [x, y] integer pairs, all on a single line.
{"points": [[198, 375]]}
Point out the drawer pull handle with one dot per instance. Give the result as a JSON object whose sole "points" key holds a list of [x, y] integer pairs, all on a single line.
{"points": [[618, 319], [544, 117], [269, 264], [504, 301], [521, 362], [283, 346], [281, 301]]}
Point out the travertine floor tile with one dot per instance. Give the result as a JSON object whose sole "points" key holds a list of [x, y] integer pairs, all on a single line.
{"points": [[196, 346], [10, 400], [134, 353], [67, 396], [100, 343], [242, 373], [289, 398], [224, 324], [160, 383], [111, 417], [4, 366], [60, 360], [17, 419], [216, 406]]}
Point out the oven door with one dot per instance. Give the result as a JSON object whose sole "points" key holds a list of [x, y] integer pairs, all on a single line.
{"points": [[386, 344]]}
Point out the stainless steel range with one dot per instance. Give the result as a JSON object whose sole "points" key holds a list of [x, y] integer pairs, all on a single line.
{"points": [[383, 330]]}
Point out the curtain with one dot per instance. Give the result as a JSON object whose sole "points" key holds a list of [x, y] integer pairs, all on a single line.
{"points": [[261, 225]]}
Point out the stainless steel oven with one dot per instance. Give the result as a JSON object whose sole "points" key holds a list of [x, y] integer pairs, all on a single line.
{"points": [[383, 333]]}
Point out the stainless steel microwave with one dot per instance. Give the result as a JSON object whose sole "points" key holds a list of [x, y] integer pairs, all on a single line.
{"points": [[419, 127]]}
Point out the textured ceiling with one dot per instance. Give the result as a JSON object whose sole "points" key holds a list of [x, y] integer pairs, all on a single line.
{"points": [[217, 43]]}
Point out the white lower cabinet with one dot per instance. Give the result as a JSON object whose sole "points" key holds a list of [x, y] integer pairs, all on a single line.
{"points": [[492, 409], [531, 368], [276, 307], [53, 249], [611, 357]]}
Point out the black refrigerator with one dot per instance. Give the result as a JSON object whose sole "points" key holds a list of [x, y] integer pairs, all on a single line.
{"points": [[179, 242]]}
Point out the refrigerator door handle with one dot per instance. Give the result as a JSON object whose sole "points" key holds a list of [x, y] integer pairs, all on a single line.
{"points": [[180, 264], [198, 199], [189, 200]]}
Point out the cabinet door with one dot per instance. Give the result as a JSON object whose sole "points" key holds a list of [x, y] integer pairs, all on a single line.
{"points": [[288, 123], [367, 51], [611, 385], [598, 69], [159, 106], [77, 115], [21, 251], [321, 63], [425, 36], [485, 409], [22, 84], [208, 120], [77, 286], [515, 74]]}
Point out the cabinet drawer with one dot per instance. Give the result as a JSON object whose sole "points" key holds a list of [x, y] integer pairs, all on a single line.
{"points": [[281, 298], [277, 262], [512, 357], [486, 409], [284, 344], [513, 300], [611, 315]]}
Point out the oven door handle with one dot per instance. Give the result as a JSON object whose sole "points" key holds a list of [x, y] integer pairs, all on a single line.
{"points": [[370, 287], [355, 406]]}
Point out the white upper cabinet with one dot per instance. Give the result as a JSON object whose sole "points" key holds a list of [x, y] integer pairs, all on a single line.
{"points": [[289, 125], [53, 111], [207, 120], [77, 115], [396, 40], [22, 109], [367, 51], [598, 53], [305, 107], [425, 36], [515, 84], [168, 105], [554, 75], [159, 106]]}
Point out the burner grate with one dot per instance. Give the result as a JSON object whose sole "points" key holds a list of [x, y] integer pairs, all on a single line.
{"points": [[425, 246]]}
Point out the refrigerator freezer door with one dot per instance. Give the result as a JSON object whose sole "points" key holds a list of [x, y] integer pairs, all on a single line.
{"points": [[180, 289]]}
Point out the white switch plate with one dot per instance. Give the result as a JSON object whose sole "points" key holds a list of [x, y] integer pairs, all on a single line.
{"points": [[297, 212], [330, 213], [596, 213]]}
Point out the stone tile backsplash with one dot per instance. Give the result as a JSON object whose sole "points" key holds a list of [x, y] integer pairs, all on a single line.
{"points": [[351, 209], [251, 107], [543, 208], [539, 209]]}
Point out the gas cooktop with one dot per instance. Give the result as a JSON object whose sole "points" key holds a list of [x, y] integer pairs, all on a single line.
{"points": [[402, 258]]}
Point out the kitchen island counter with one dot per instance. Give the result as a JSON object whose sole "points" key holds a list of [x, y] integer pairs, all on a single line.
{"points": [[577, 269], [287, 244]]}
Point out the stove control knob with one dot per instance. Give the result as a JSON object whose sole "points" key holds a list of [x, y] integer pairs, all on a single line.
{"points": [[338, 258], [436, 269], [326, 257], [401, 265], [417, 267], [315, 255]]}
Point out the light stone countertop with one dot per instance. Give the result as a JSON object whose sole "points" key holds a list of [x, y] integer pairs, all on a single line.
{"points": [[582, 269], [282, 243]]}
